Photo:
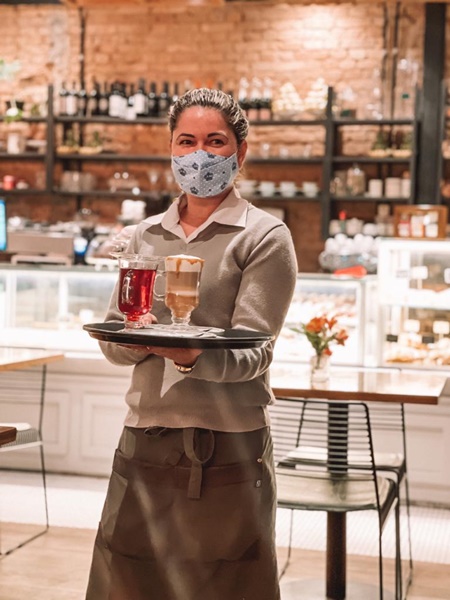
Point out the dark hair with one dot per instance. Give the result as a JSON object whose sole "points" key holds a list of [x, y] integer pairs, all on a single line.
{"points": [[216, 99]]}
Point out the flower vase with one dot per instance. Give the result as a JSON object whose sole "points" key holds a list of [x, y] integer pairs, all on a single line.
{"points": [[320, 368]]}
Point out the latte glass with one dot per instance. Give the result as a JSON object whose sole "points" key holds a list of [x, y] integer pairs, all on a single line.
{"points": [[183, 274]]}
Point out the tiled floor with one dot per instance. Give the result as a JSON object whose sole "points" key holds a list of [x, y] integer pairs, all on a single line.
{"points": [[77, 502]]}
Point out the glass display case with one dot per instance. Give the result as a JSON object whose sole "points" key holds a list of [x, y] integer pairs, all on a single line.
{"points": [[46, 306], [348, 299], [414, 303]]}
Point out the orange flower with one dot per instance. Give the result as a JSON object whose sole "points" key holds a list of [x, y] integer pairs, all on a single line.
{"points": [[341, 337], [321, 332], [316, 325]]}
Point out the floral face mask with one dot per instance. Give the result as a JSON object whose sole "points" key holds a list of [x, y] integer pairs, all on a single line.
{"points": [[204, 174]]}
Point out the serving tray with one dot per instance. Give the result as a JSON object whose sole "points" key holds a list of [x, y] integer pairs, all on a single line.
{"points": [[201, 338]]}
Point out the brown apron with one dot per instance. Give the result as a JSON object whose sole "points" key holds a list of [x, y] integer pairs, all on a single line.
{"points": [[189, 515]]}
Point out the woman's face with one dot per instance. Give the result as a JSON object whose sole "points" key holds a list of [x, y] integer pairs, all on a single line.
{"points": [[202, 128]]}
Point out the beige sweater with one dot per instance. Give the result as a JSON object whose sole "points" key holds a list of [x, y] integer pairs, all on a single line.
{"points": [[247, 282]]}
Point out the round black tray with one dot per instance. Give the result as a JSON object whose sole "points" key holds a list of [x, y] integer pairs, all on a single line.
{"points": [[228, 338]]}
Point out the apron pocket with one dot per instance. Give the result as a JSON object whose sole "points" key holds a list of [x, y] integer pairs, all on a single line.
{"points": [[148, 515]]}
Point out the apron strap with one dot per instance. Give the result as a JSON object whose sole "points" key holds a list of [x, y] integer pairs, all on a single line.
{"points": [[192, 442]]}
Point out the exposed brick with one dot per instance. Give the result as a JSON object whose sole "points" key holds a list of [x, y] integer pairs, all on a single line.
{"points": [[340, 41]]}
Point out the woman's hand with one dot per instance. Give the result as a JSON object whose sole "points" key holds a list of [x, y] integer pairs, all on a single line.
{"points": [[182, 356]]}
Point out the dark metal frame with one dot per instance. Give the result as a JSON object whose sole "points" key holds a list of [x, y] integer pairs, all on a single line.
{"points": [[26, 439]]}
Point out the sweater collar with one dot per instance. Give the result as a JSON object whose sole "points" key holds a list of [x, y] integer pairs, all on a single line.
{"points": [[231, 211]]}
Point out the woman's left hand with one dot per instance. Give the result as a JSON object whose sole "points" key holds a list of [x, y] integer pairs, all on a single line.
{"points": [[182, 356]]}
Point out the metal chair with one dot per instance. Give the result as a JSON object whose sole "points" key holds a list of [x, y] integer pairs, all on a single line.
{"points": [[22, 395], [389, 439], [325, 462]]}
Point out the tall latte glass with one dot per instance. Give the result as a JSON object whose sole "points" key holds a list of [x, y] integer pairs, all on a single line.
{"points": [[136, 281], [182, 287]]}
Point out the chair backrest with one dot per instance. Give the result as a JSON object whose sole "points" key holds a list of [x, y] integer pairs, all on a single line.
{"points": [[22, 397], [320, 438], [387, 422]]}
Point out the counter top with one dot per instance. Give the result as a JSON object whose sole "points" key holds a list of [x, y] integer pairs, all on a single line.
{"points": [[12, 359]]}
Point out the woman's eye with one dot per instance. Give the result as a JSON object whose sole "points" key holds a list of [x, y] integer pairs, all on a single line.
{"points": [[185, 142], [217, 142]]}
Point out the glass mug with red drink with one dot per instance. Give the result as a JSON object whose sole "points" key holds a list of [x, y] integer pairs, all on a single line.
{"points": [[182, 274], [136, 287]]}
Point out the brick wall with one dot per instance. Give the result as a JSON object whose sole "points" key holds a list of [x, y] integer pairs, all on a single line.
{"points": [[343, 43]]}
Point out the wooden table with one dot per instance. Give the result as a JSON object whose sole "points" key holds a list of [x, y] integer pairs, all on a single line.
{"points": [[12, 359], [7, 434], [366, 385]]}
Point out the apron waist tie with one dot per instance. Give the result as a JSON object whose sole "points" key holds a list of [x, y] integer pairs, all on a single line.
{"points": [[192, 443]]}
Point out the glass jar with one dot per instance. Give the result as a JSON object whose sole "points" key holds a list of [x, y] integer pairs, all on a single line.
{"points": [[356, 181]]}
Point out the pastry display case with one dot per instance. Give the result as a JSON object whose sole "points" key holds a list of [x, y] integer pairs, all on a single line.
{"points": [[348, 299], [414, 303], [46, 306]]}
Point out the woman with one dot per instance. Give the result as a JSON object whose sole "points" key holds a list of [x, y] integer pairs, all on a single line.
{"points": [[190, 508]]}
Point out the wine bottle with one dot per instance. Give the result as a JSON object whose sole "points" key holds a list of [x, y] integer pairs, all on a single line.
{"points": [[63, 99], [265, 108], [153, 107], [176, 93], [114, 101], [243, 98], [164, 100], [81, 102], [103, 101], [123, 100], [255, 99], [72, 101], [93, 108], [141, 100], [131, 108], [117, 101]]}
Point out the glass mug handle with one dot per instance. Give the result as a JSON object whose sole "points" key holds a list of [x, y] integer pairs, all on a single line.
{"points": [[127, 288], [159, 274]]}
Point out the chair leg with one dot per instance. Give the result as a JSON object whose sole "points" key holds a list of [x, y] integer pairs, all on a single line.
{"points": [[288, 558], [409, 577], [398, 555], [380, 558], [44, 483], [46, 525]]}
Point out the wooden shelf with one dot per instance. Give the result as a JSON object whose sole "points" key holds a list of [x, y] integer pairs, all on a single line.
{"points": [[27, 119], [275, 198], [146, 194], [112, 121], [289, 160], [355, 122], [110, 157], [372, 159], [369, 199], [290, 122], [22, 156], [27, 192]]}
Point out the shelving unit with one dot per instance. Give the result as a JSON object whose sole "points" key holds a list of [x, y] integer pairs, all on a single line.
{"points": [[330, 161], [443, 171], [334, 158]]}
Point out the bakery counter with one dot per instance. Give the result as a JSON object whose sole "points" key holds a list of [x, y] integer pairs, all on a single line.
{"points": [[414, 304], [347, 299]]}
